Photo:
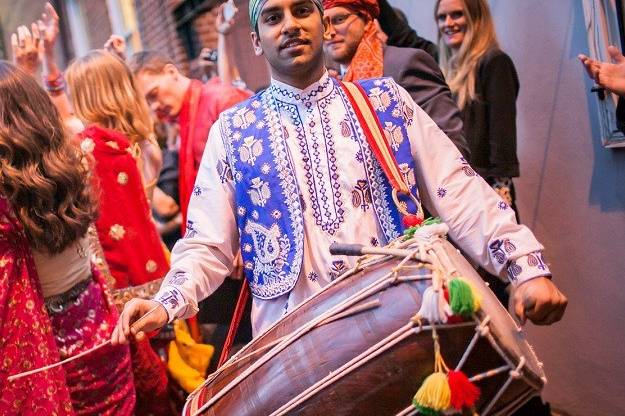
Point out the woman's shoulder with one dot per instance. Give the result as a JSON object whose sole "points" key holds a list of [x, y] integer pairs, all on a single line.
{"points": [[495, 59]]}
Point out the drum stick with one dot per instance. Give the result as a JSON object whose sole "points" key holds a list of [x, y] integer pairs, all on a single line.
{"points": [[338, 249], [77, 356]]}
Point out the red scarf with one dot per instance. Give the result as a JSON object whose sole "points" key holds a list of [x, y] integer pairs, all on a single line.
{"points": [[200, 110], [131, 244], [25, 331]]}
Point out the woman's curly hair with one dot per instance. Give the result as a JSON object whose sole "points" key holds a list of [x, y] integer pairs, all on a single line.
{"points": [[41, 171]]}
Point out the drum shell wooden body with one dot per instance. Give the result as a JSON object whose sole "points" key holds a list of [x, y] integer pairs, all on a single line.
{"points": [[386, 383]]}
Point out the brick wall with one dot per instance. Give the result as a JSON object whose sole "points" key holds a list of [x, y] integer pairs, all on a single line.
{"points": [[98, 22], [157, 29]]}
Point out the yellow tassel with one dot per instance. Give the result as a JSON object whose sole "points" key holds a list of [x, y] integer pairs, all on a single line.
{"points": [[196, 355], [188, 378], [477, 298], [434, 393]]}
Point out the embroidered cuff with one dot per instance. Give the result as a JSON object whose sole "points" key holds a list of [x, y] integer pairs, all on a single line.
{"points": [[527, 267], [173, 301]]}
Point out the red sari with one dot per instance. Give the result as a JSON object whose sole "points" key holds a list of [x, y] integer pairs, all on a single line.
{"points": [[131, 245], [200, 110], [100, 383]]}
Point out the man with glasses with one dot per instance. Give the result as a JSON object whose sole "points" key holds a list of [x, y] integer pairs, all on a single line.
{"points": [[356, 44]]}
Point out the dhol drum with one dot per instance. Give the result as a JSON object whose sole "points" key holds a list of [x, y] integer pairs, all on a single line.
{"points": [[364, 345]]}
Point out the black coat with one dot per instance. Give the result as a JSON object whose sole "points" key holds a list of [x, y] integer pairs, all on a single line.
{"points": [[419, 74], [490, 120]]}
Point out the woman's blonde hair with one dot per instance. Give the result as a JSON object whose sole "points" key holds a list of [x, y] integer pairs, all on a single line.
{"points": [[460, 69], [103, 91]]}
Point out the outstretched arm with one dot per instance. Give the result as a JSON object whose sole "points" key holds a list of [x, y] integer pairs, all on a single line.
{"points": [[481, 223], [226, 68]]}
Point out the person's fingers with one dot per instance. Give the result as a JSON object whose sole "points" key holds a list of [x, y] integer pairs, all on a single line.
{"points": [[126, 316], [34, 29], [139, 336], [537, 309], [519, 311], [616, 54], [14, 46], [51, 12]]}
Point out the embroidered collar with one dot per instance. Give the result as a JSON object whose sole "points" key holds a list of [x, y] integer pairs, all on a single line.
{"points": [[312, 93]]}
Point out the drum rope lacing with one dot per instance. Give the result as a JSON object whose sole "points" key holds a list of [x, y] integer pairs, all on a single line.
{"points": [[441, 268]]}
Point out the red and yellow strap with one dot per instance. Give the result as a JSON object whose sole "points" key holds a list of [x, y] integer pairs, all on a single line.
{"points": [[375, 134]]}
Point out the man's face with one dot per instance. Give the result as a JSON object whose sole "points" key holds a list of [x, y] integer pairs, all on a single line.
{"points": [[347, 29], [290, 36], [162, 92]]}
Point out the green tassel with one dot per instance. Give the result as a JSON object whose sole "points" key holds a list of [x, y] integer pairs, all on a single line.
{"points": [[461, 298], [426, 411]]}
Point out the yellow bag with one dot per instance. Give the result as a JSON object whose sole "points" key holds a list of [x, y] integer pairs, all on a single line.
{"points": [[188, 360]]}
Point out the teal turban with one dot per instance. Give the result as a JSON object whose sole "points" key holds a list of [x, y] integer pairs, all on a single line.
{"points": [[257, 5]]}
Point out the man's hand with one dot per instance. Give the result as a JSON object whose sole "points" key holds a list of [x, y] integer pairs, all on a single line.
{"points": [[117, 46], [606, 74], [27, 48], [127, 326], [539, 300], [226, 18], [49, 28]]}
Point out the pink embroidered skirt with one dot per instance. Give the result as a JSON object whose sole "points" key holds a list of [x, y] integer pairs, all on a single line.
{"points": [[101, 382]]}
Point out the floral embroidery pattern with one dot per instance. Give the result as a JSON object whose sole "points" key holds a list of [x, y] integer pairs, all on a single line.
{"points": [[466, 168], [337, 268], [441, 192], [514, 270], [313, 276], [537, 260], [500, 249], [361, 195]]}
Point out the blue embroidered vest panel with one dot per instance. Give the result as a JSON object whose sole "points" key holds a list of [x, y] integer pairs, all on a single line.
{"points": [[267, 196]]}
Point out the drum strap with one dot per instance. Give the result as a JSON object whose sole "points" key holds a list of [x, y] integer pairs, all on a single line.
{"points": [[376, 139]]}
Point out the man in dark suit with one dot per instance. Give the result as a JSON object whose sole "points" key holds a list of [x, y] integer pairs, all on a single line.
{"points": [[356, 43]]}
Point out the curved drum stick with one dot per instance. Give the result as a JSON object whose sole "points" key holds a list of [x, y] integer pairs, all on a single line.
{"points": [[77, 356]]}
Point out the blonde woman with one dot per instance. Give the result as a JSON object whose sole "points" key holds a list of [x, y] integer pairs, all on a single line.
{"points": [[117, 136], [485, 84]]}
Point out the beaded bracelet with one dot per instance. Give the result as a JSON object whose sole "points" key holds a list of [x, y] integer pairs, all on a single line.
{"points": [[55, 86]]}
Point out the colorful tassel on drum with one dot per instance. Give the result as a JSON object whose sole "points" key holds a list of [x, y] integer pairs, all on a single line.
{"points": [[433, 306], [464, 394], [434, 395], [413, 223], [462, 298]]}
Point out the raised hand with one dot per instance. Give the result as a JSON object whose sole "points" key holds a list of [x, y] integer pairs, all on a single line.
{"points": [[226, 17], [27, 48], [117, 46], [49, 28]]}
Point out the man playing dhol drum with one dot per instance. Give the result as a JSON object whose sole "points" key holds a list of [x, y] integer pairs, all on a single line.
{"points": [[289, 171]]}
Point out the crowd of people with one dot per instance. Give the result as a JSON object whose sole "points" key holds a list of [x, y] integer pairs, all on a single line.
{"points": [[112, 162]]}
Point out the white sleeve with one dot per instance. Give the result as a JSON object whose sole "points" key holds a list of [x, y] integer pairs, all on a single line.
{"points": [[479, 221], [203, 258]]}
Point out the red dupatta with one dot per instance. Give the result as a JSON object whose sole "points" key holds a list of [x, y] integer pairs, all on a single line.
{"points": [[26, 339]]}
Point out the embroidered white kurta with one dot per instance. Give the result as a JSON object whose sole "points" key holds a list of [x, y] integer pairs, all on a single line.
{"points": [[336, 201]]}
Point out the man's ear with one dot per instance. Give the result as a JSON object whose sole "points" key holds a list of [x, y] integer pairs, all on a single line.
{"points": [[171, 69], [258, 50]]}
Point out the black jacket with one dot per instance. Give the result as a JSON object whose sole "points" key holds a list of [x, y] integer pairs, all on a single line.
{"points": [[420, 75], [490, 120]]}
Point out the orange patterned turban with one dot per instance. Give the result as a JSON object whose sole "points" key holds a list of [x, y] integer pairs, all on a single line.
{"points": [[368, 60], [368, 7]]}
